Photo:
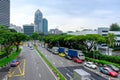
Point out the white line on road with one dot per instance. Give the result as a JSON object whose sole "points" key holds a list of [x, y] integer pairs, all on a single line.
{"points": [[46, 65], [39, 75], [69, 76], [69, 71]]}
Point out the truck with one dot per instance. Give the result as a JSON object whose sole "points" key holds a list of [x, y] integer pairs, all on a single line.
{"points": [[62, 50], [80, 74], [75, 53]]}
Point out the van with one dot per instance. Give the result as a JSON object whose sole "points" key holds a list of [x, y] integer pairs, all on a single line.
{"points": [[80, 74], [55, 50]]}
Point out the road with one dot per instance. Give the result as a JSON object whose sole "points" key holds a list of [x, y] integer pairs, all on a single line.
{"points": [[33, 67], [66, 67]]}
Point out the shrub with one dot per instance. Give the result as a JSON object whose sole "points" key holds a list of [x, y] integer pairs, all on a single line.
{"points": [[97, 55]]}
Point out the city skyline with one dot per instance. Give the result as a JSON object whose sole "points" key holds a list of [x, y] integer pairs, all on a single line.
{"points": [[69, 15], [38, 21]]}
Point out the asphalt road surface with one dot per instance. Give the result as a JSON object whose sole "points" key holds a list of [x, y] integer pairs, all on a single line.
{"points": [[66, 67], [33, 67]]}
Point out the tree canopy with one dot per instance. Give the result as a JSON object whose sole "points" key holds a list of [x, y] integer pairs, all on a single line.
{"points": [[114, 27], [77, 42], [9, 38]]}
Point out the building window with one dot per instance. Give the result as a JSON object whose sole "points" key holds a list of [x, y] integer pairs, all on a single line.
{"points": [[104, 31], [118, 35]]}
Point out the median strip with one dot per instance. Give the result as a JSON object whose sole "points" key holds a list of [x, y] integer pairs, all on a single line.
{"points": [[53, 68]]}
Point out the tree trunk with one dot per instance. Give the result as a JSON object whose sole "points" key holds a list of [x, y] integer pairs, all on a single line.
{"points": [[17, 46]]}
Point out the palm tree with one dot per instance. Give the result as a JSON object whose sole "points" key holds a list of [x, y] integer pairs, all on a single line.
{"points": [[111, 40]]}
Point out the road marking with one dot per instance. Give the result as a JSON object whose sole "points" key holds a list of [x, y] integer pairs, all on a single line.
{"points": [[23, 73], [39, 75], [46, 65], [19, 69], [68, 75], [11, 74]]}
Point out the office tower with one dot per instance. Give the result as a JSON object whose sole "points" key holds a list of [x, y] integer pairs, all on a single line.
{"points": [[38, 21], [45, 26], [5, 12], [28, 29]]}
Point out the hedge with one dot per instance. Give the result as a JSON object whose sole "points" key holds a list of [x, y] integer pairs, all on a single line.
{"points": [[97, 55]]}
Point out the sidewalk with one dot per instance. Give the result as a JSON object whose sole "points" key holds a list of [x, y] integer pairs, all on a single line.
{"points": [[3, 72]]}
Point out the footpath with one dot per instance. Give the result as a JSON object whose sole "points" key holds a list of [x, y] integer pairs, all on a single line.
{"points": [[3, 73]]}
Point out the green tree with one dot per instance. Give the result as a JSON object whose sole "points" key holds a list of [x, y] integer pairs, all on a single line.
{"points": [[35, 36], [115, 27], [6, 40], [111, 39], [18, 37]]}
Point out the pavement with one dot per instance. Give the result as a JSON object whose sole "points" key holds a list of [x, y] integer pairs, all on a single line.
{"points": [[4, 72]]}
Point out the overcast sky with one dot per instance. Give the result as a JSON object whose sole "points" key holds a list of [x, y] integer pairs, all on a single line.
{"points": [[67, 15]]}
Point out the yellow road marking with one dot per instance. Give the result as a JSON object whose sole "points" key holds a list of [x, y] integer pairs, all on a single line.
{"points": [[19, 69], [22, 71], [11, 74], [24, 67]]}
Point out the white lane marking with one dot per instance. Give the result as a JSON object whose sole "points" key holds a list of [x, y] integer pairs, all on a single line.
{"points": [[69, 76], [47, 65], [39, 75], [68, 71]]}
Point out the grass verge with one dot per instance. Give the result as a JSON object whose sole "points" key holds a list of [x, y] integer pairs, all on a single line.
{"points": [[11, 57], [53, 68]]}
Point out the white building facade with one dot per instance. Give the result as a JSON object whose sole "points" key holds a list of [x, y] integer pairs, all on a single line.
{"points": [[102, 31]]}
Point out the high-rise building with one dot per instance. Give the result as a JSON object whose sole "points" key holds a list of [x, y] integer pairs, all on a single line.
{"points": [[45, 26], [38, 21], [28, 29], [5, 12]]}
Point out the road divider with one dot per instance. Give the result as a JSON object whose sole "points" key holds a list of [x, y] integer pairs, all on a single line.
{"points": [[53, 68]]}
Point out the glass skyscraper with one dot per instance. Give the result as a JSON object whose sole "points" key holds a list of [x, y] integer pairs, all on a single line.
{"points": [[38, 21], [5, 12], [45, 26]]}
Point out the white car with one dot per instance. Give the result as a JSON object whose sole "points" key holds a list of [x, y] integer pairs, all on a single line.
{"points": [[90, 65]]}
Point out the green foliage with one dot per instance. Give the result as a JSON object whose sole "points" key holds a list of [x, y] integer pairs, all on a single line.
{"points": [[117, 48], [97, 55], [10, 38], [35, 36], [76, 42], [114, 27], [111, 39]]}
